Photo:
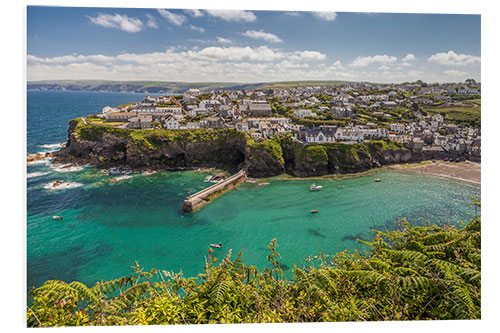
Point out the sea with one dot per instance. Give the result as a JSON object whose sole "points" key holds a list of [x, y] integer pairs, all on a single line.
{"points": [[114, 218]]}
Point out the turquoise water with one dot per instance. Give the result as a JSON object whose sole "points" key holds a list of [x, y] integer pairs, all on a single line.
{"points": [[107, 226]]}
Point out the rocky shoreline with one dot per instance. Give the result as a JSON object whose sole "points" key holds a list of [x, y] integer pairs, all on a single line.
{"points": [[228, 150]]}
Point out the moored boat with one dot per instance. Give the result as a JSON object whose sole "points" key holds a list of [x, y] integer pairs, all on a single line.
{"points": [[57, 217], [315, 187], [314, 211], [216, 245], [378, 180]]}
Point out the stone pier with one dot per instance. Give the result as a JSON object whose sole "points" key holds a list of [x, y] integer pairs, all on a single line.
{"points": [[201, 198]]}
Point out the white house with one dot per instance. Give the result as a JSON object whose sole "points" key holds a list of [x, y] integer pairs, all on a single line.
{"points": [[193, 125], [242, 126], [304, 113], [171, 123], [397, 127], [107, 110], [320, 134]]}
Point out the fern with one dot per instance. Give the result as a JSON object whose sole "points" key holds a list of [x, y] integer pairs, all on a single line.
{"points": [[220, 290], [84, 291]]}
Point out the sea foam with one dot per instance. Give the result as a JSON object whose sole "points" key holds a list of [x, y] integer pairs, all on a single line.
{"points": [[37, 174], [61, 186], [68, 168], [53, 145], [120, 178]]}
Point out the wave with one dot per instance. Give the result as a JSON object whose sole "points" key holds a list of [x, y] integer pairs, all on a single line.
{"points": [[208, 179], [52, 145], [60, 185], [68, 168], [120, 178], [37, 174], [43, 161]]}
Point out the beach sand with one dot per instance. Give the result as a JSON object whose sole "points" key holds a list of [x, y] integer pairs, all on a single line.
{"points": [[466, 171]]}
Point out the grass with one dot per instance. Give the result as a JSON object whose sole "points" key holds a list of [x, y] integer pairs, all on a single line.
{"points": [[470, 110], [287, 84]]}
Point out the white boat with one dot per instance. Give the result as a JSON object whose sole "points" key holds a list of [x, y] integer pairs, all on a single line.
{"points": [[218, 246], [378, 180], [57, 217], [315, 187]]}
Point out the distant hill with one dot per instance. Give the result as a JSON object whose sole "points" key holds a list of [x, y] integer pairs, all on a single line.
{"points": [[163, 87]]}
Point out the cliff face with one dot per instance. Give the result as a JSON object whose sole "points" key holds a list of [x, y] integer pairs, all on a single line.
{"points": [[153, 149], [225, 149]]}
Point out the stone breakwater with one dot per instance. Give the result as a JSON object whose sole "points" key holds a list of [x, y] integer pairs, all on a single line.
{"points": [[201, 198]]}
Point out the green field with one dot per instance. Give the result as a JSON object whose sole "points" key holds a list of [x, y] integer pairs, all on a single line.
{"points": [[165, 86], [290, 84], [468, 111]]}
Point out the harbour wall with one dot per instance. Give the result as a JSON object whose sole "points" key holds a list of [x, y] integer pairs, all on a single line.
{"points": [[201, 198]]}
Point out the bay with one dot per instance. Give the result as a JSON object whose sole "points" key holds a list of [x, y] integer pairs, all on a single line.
{"points": [[108, 225]]}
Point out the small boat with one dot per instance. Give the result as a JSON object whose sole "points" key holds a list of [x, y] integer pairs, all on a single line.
{"points": [[314, 211], [378, 180], [218, 246], [263, 184], [341, 186], [56, 217], [315, 187]]}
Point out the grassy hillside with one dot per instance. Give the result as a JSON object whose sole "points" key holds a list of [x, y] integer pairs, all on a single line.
{"points": [[163, 86], [291, 84], [466, 112]]}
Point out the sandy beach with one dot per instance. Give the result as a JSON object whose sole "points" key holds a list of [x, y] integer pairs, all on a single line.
{"points": [[467, 171]]}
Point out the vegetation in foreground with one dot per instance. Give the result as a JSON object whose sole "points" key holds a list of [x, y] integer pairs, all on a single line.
{"points": [[417, 273]]}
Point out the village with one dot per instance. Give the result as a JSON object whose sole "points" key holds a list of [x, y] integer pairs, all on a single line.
{"points": [[350, 113]]}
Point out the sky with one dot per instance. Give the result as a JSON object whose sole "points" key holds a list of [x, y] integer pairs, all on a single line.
{"points": [[249, 45]]}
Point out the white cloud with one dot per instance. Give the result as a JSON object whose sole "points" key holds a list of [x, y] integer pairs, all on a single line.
{"points": [[327, 16], [453, 59], [117, 21], [409, 57], [337, 65], [405, 64], [288, 64], [308, 55], [383, 68], [223, 40], [151, 22], [226, 63], [232, 15], [194, 12], [454, 72], [235, 53], [195, 28], [267, 36], [292, 13], [173, 18], [415, 73], [365, 61], [238, 64]]}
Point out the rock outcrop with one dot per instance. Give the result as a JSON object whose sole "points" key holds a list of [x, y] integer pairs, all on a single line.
{"points": [[225, 149]]}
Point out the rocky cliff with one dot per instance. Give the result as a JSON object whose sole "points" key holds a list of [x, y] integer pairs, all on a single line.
{"points": [[226, 149]]}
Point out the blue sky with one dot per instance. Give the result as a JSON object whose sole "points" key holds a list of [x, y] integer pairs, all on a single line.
{"points": [[250, 46]]}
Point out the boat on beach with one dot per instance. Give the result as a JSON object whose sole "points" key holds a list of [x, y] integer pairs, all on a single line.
{"points": [[315, 187]]}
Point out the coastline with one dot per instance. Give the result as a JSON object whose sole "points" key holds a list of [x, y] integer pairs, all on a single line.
{"points": [[467, 171]]}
